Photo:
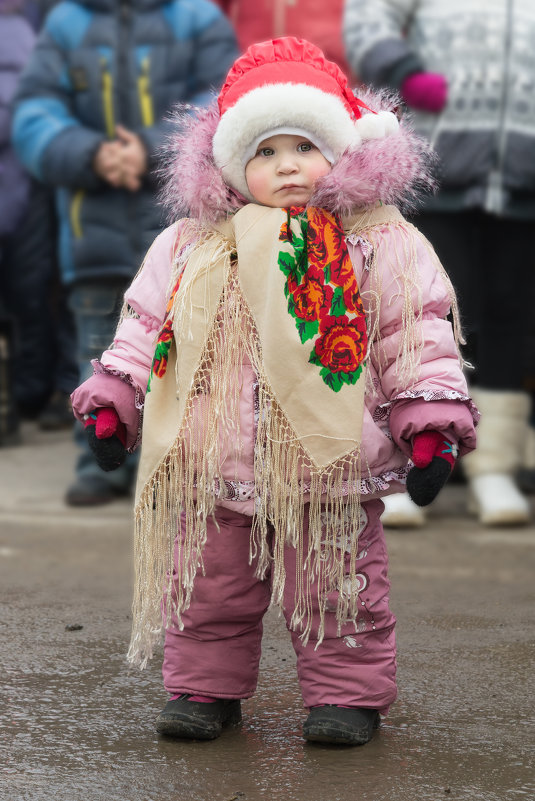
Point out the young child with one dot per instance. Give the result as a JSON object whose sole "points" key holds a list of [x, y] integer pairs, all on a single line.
{"points": [[289, 347]]}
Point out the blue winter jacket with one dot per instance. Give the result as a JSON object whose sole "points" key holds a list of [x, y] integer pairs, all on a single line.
{"points": [[98, 63]]}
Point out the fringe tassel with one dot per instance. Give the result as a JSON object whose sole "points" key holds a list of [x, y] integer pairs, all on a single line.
{"points": [[408, 281], [285, 482], [185, 484], [188, 479]]}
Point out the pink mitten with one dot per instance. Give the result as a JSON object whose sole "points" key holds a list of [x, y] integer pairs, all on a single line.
{"points": [[108, 423], [434, 458], [106, 436], [428, 444], [425, 91]]}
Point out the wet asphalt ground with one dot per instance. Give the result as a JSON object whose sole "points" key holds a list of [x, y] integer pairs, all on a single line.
{"points": [[77, 724]]}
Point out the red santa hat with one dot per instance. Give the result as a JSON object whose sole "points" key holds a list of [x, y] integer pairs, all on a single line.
{"points": [[288, 86]]}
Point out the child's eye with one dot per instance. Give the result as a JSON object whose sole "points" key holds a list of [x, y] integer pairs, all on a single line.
{"points": [[304, 147], [265, 151]]}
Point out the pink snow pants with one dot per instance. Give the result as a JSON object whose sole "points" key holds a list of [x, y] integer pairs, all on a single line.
{"points": [[218, 651]]}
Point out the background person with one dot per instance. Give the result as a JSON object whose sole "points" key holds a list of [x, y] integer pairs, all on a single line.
{"points": [[17, 41], [467, 71], [315, 20], [89, 121]]}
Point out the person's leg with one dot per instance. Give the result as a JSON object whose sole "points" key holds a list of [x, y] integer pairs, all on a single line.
{"points": [[215, 655], [67, 370], [505, 292], [9, 421], [505, 301], [57, 413], [31, 260], [455, 238], [355, 667], [217, 651], [96, 309]]}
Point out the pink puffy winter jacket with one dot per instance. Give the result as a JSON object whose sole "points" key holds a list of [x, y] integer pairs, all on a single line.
{"points": [[438, 399]]}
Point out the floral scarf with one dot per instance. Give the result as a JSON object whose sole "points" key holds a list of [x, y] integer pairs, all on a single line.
{"points": [[323, 294], [275, 288]]}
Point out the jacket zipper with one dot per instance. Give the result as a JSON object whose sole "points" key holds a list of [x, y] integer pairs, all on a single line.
{"points": [[494, 200], [145, 99], [107, 97], [75, 215], [126, 113], [123, 50]]}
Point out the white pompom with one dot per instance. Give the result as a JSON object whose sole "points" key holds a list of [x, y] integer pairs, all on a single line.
{"points": [[377, 126], [391, 122]]}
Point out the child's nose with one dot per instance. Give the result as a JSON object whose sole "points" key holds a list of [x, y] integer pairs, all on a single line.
{"points": [[287, 164]]}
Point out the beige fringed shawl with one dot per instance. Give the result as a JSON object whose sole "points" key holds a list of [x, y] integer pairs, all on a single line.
{"points": [[229, 305]]}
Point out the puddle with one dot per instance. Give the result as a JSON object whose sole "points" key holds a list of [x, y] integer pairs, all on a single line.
{"points": [[81, 727], [77, 723]]}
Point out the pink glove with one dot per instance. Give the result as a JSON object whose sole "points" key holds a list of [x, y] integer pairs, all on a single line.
{"points": [[434, 458], [425, 91], [106, 436], [428, 444]]}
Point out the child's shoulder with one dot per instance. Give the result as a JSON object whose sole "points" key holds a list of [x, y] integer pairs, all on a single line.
{"points": [[399, 248], [169, 234], [164, 245], [388, 225]]}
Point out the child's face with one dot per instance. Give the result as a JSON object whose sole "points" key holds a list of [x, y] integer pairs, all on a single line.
{"points": [[284, 170]]}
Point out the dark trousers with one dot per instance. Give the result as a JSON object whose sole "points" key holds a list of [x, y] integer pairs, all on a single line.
{"points": [[96, 309], [44, 337], [491, 262]]}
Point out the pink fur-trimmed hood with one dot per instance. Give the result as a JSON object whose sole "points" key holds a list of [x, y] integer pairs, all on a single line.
{"points": [[393, 170]]}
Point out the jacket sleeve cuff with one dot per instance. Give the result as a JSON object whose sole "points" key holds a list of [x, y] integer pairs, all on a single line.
{"points": [[68, 160], [409, 65], [454, 419], [388, 63], [105, 389]]}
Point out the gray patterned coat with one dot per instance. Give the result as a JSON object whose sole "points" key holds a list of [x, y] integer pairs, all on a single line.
{"points": [[485, 136]]}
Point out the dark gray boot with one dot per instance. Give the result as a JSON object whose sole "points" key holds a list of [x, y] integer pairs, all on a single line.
{"points": [[194, 720], [340, 725]]}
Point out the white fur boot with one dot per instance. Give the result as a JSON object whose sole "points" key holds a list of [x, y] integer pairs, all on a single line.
{"points": [[501, 438], [401, 512]]}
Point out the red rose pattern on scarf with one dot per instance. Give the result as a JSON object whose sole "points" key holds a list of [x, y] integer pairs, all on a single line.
{"points": [[323, 295]]}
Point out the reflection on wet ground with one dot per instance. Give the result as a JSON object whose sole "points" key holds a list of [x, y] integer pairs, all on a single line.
{"points": [[78, 724], [81, 726]]}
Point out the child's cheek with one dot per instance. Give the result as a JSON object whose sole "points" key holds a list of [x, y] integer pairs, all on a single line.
{"points": [[320, 170], [257, 184], [252, 183]]}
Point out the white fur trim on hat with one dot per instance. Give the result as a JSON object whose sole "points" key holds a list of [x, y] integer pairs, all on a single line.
{"points": [[273, 106], [285, 129], [322, 115]]}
